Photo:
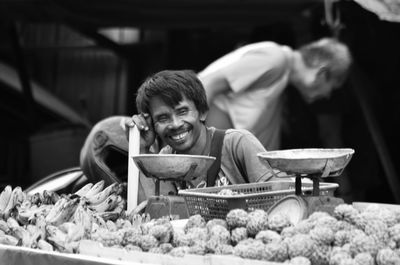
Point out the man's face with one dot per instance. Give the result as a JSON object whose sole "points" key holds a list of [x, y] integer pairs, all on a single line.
{"points": [[315, 86], [178, 126]]}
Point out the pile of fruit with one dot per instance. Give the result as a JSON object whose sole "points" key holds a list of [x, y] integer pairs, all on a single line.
{"points": [[59, 222]]}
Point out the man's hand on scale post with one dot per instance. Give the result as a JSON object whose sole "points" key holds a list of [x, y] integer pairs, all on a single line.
{"points": [[144, 123]]}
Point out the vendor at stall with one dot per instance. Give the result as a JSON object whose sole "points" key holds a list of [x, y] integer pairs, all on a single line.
{"points": [[172, 107]]}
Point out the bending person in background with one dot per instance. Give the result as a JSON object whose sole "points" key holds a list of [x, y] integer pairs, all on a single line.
{"points": [[173, 106], [245, 87]]}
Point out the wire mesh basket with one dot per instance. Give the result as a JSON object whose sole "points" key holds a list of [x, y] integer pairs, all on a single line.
{"points": [[210, 203]]}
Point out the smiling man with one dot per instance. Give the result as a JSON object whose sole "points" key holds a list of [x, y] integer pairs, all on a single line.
{"points": [[173, 108]]}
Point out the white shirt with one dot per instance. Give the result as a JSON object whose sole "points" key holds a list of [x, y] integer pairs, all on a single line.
{"points": [[258, 74]]}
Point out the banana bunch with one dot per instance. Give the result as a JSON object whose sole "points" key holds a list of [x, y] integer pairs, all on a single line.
{"points": [[8, 240], [44, 197], [57, 238], [27, 215], [109, 204], [56, 209], [73, 231], [106, 201], [16, 203], [40, 223], [83, 217], [88, 193], [96, 194], [44, 245], [35, 232], [4, 226], [62, 211], [27, 236], [116, 212], [50, 221], [27, 240], [5, 196], [10, 198]]}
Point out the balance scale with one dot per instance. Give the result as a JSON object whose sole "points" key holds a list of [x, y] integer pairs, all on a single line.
{"points": [[171, 167], [314, 164]]}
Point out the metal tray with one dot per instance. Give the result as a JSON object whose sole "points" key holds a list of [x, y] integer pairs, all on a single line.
{"points": [[173, 166], [327, 162]]}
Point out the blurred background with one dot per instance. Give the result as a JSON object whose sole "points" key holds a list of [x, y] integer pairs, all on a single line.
{"points": [[65, 65]]}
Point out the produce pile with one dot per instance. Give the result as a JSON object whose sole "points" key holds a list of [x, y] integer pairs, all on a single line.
{"points": [[59, 222]]}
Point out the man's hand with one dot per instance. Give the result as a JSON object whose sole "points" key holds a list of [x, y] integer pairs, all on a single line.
{"points": [[144, 123]]}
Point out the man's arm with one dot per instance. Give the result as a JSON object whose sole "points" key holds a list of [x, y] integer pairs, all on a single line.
{"points": [[214, 84]]}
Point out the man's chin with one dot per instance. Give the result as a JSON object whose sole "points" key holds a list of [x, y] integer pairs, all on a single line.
{"points": [[180, 148]]}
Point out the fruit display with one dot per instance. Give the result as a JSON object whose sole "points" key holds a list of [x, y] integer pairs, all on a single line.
{"points": [[51, 221], [54, 222]]}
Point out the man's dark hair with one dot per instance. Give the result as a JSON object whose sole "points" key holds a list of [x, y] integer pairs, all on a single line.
{"points": [[170, 86]]}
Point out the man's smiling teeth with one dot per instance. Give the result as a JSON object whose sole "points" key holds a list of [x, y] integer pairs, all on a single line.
{"points": [[179, 136]]}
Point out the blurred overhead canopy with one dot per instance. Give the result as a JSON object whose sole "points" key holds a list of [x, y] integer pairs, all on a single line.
{"points": [[9, 77], [155, 13]]}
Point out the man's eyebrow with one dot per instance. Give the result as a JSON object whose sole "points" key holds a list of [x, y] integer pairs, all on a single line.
{"points": [[181, 107], [159, 114]]}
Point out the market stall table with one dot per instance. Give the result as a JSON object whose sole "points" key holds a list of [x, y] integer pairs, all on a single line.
{"points": [[95, 254], [15, 255]]}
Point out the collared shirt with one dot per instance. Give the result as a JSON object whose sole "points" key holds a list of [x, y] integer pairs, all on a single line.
{"points": [[239, 160]]}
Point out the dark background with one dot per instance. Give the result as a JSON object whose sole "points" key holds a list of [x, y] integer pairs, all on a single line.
{"points": [[58, 45]]}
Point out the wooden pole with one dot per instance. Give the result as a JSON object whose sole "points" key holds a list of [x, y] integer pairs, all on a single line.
{"points": [[133, 171]]}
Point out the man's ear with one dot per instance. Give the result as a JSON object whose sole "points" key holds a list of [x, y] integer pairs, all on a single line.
{"points": [[203, 116]]}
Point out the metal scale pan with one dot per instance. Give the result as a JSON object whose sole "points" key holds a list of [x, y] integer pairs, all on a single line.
{"points": [[176, 167]]}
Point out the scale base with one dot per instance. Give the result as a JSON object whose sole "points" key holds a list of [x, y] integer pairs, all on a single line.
{"points": [[298, 208], [321, 204], [316, 202], [171, 206]]}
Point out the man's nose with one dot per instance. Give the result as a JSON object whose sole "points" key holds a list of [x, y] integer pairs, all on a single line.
{"points": [[176, 121]]}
